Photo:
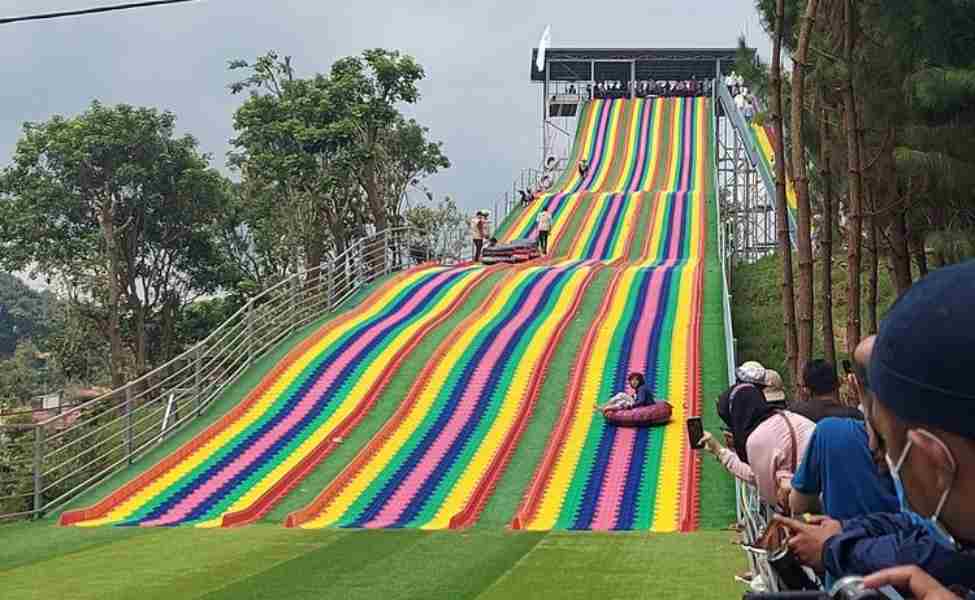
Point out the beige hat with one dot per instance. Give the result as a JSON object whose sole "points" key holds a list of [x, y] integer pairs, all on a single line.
{"points": [[774, 389], [753, 372]]}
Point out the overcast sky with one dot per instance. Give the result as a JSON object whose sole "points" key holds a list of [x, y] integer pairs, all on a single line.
{"points": [[476, 98]]}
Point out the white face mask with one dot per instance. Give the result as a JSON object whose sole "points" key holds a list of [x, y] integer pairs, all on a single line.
{"points": [[935, 525]]}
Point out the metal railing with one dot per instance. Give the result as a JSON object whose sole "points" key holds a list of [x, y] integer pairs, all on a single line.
{"points": [[46, 464], [752, 514], [528, 178]]}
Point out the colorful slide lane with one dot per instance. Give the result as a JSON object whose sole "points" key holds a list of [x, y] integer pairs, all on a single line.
{"points": [[656, 151], [765, 138], [437, 460], [234, 471], [596, 476]]}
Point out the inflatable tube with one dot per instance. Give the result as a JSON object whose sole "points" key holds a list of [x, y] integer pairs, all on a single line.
{"points": [[651, 414]]}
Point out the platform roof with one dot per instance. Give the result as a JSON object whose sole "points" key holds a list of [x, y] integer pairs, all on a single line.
{"points": [[577, 64]]}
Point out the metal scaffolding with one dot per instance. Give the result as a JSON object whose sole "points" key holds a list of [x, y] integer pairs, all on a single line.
{"points": [[748, 207]]}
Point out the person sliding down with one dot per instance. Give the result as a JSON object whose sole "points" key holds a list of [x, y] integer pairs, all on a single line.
{"points": [[642, 396]]}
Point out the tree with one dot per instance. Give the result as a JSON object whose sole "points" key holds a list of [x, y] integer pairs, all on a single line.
{"points": [[781, 207], [805, 304], [291, 149], [442, 224], [24, 313], [329, 153], [369, 88], [115, 206]]}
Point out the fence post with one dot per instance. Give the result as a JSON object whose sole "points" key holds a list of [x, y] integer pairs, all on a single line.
{"points": [[38, 469], [129, 434], [330, 285], [249, 329], [198, 379]]}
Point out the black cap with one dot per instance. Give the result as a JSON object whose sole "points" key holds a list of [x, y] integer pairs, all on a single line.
{"points": [[923, 362]]}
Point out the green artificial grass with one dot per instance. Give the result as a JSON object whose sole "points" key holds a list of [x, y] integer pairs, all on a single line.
{"points": [[266, 561], [717, 487]]}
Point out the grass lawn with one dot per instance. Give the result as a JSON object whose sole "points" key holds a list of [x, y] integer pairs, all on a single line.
{"points": [[267, 561], [757, 310]]}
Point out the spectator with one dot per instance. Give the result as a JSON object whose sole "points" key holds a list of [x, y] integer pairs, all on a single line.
{"points": [[840, 469], [749, 110], [642, 395], [767, 442], [544, 222], [740, 101], [921, 420], [478, 230], [820, 387], [774, 390]]}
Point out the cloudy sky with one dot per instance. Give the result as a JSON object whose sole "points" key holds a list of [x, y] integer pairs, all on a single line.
{"points": [[476, 98]]}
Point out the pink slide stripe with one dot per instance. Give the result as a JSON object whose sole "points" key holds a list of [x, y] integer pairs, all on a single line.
{"points": [[399, 501], [614, 480], [616, 202], [680, 205], [688, 141], [637, 175], [601, 151]]}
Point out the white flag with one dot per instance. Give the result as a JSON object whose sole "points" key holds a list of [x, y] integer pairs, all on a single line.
{"points": [[543, 45]]}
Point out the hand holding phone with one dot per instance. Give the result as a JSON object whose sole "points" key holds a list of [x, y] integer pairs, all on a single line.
{"points": [[695, 432]]}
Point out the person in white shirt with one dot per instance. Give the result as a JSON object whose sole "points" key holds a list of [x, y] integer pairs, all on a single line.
{"points": [[544, 221], [478, 226]]}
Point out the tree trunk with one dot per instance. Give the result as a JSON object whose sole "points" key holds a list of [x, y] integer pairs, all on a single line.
{"points": [[781, 206], [874, 275], [854, 166], [805, 304], [900, 257], [314, 252], [920, 256], [825, 171], [107, 226]]}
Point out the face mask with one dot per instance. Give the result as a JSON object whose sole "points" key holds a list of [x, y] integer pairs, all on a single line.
{"points": [[932, 524]]}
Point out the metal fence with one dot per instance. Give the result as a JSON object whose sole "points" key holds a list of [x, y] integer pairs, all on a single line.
{"points": [[753, 514], [529, 178], [43, 465]]}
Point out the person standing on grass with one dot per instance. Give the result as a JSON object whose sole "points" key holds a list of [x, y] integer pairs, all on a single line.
{"points": [[544, 221]]}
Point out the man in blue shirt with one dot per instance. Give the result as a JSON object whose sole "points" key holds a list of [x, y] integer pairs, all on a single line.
{"points": [[839, 467]]}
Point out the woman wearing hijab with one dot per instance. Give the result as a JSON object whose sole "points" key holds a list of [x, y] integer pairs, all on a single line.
{"points": [[768, 443]]}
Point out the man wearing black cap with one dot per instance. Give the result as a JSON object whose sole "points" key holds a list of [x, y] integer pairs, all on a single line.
{"points": [[921, 412]]}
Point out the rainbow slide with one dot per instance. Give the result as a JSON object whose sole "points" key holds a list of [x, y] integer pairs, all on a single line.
{"points": [[234, 471], [639, 211], [436, 461], [765, 138], [597, 476]]}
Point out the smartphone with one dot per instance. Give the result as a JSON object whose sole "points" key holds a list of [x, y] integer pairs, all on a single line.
{"points": [[847, 366], [695, 431]]}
